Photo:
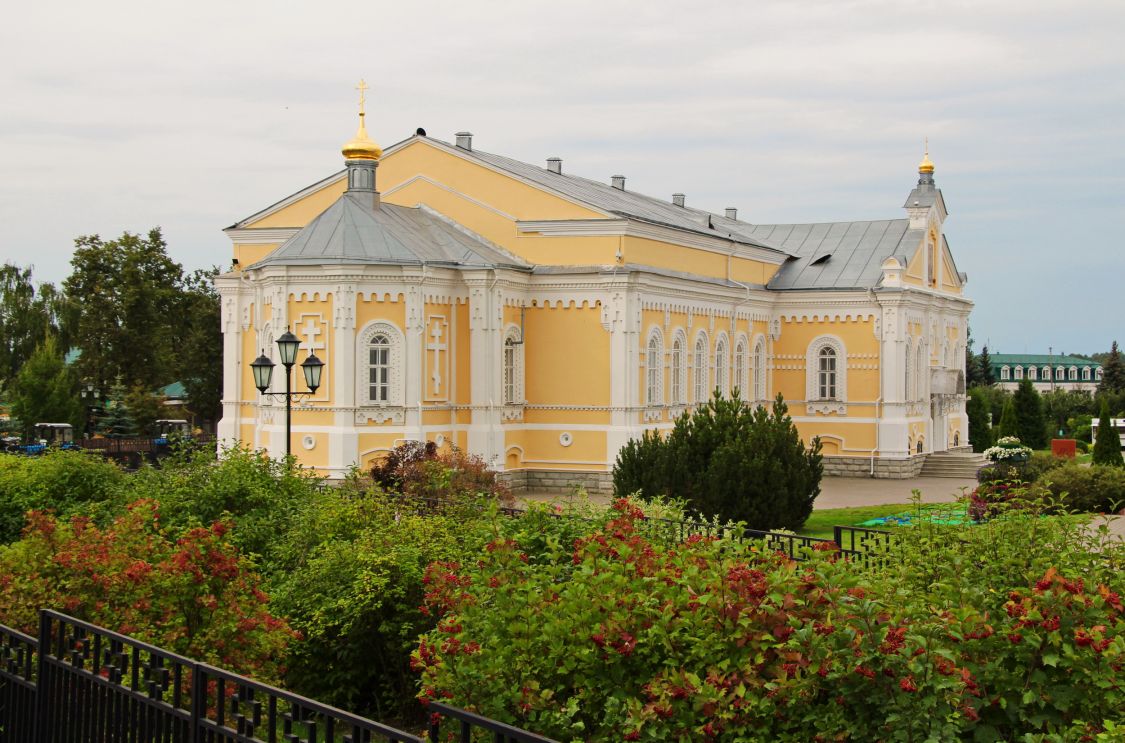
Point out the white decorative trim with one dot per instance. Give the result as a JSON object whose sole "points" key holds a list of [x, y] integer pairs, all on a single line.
{"points": [[308, 442], [512, 333], [565, 438], [379, 415], [836, 404], [363, 370], [698, 369], [654, 393], [260, 236]]}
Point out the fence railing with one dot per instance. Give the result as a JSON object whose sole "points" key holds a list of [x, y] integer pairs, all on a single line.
{"points": [[80, 683]]}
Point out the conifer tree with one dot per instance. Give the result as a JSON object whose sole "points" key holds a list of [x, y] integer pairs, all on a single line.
{"points": [[1113, 372], [44, 390], [1009, 423], [980, 435], [1029, 416], [117, 423], [1107, 445], [985, 362]]}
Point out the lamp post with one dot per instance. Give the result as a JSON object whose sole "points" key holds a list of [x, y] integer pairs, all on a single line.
{"points": [[90, 397], [287, 346]]}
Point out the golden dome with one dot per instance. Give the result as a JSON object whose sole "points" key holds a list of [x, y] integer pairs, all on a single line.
{"points": [[361, 146], [926, 166]]}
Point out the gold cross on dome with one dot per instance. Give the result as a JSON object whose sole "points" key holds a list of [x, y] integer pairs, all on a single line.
{"points": [[362, 88]]}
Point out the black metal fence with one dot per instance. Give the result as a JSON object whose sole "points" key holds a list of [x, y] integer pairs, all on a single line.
{"points": [[80, 683]]}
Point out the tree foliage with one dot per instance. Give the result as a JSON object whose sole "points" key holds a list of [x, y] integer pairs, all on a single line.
{"points": [[1107, 445], [1113, 372], [28, 316], [980, 434], [1009, 423], [729, 460], [1030, 423], [200, 346], [45, 390], [985, 362]]}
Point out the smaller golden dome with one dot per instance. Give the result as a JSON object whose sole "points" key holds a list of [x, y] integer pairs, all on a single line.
{"points": [[361, 146], [926, 166]]}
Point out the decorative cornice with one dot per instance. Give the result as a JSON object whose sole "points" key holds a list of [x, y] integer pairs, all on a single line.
{"points": [[260, 236]]}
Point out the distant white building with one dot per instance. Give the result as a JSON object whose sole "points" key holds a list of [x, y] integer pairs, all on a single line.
{"points": [[1118, 425]]}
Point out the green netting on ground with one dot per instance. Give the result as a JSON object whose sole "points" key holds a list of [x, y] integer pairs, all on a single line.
{"points": [[938, 513]]}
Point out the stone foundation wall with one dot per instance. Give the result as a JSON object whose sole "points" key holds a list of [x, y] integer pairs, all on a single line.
{"points": [[887, 469], [558, 481]]}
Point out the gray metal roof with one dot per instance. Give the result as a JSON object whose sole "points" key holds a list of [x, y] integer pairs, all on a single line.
{"points": [[625, 203], [838, 255], [353, 230]]}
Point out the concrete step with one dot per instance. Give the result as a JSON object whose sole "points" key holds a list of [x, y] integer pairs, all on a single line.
{"points": [[953, 464]]}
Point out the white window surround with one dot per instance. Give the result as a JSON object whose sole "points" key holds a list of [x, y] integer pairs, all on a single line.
{"points": [[921, 370], [1032, 373], [512, 368], [1019, 372], [678, 393], [392, 407], [1060, 374], [1098, 373], [1005, 374], [838, 403], [908, 390], [722, 365], [701, 393], [1085, 374], [759, 362], [740, 376], [654, 368]]}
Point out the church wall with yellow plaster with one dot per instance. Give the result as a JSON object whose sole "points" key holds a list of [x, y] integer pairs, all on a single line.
{"points": [[437, 362], [375, 444], [248, 253], [566, 356], [303, 211], [541, 449], [390, 308]]}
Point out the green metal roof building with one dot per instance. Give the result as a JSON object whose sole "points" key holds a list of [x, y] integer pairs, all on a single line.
{"points": [[1046, 371]]}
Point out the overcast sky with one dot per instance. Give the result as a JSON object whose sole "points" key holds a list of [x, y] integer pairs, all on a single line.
{"points": [[126, 115]]}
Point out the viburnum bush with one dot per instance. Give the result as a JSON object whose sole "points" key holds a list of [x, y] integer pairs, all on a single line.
{"points": [[194, 595], [629, 639]]}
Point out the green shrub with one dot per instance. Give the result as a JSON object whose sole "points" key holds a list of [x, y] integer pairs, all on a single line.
{"points": [[730, 461], [349, 578], [66, 482], [1082, 446], [419, 469], [257, 494], [962, 633], [1096, 489], [1040, 464], [980, 435]]}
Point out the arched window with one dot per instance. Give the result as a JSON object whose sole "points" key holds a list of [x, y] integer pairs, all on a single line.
{"points": [[512, 364], [722, 365], [1098, 373], [826, 368], [679, 370], [1072, 374], [1060, 374], [654, 370], [760, 370], [921, 371], [1085, 374], [1031, 372], [379, 360], [699, 369], [739, 380], [1005, 374], [1019, 372]]}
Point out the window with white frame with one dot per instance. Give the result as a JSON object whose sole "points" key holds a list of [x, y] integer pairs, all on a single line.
{"points": [[1019, 372], [1085, 374], [512, 368], [826, 366], [760, 369], [699, 369], [654, 369], [379, 358], [1060, 374], [678, 371], [908, 388], [722, 365], [739, 379], [1098, 373], [921, 370], [1031, 372], [1005, 374], [1072, 374]]}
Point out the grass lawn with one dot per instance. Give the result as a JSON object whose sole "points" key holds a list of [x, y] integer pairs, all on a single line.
{"points": [[820, 523]]}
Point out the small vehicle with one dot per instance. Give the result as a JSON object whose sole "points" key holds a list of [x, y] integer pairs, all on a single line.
{"points": [[166, 427], [49, 435]]}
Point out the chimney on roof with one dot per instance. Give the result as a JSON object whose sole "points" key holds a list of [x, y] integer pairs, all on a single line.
{"points": [[678, 199], [554, 164], [617, 181], [732, 212], [465, 140]]}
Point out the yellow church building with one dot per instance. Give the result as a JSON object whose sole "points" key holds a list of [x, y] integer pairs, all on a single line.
{"points": [[541, 319]]}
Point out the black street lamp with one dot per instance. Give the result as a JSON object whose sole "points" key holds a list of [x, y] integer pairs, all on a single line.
{"points": [[287, 346]]}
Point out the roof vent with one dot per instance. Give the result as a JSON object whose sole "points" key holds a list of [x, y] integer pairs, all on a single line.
{"points": [[821, 260], [465, 140], [617, 181], [420, 132], [732, 213], [678, 199], [554, 164]]}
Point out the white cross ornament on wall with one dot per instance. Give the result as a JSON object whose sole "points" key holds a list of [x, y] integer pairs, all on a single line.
{"points": [[438, 347]]}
